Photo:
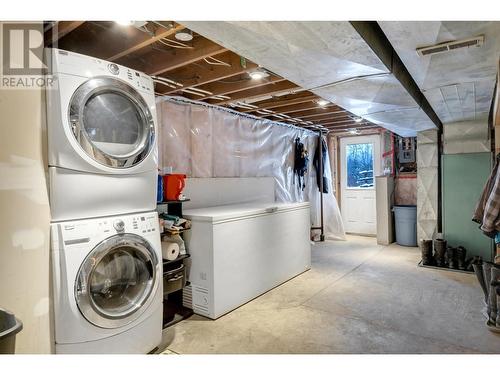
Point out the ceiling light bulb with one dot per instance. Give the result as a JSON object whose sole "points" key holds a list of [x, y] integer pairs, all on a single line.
{"points": [[353, 131], [322, 102], [125, 23], [358, 119], [257, 74], [184, 35]]}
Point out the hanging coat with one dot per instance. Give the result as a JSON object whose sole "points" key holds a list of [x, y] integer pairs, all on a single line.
{"points": [[487, 212], [319, 173]]}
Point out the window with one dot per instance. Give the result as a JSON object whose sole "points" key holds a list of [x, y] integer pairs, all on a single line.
{"points": [[359, 165]]}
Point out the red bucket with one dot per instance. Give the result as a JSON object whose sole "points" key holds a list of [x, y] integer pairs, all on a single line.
{"points": [[173, 184]]}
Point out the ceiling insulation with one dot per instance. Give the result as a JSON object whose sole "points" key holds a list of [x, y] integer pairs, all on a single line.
{"points": [[328, 58], [458, 83]]}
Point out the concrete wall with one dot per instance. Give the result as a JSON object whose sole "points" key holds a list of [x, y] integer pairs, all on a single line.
{"points": [[427, 184], [24, 218]]}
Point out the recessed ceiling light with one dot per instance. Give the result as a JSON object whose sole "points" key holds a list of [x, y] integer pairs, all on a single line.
{"points": [[358, 119], [322, 102], [258, 74], [184, 35], [125, 23], [353, 131]]}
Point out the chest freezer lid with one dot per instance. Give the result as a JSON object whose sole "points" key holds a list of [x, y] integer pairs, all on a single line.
{"points": [[241, 211]]}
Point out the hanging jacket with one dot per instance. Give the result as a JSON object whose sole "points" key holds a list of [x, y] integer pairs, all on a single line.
{"points": [[487, 210], [319, 173]]}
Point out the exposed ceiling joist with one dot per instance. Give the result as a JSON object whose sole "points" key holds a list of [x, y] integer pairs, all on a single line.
{"points": [[360, 129], [147, 40], [285, 101], [269, 89], [222, 88], [301, 107], [59, 30], [315, 112], [341, 122], [203, 73], [327, 117], [157, 62]]}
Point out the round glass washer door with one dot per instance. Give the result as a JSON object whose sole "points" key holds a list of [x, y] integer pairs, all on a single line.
{"points": [[112, 122], [115, 281]]}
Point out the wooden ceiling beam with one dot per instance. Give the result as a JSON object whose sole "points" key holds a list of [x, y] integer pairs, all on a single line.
{"points": [[347, 128], [220, 88], [325, 117], [147, 40], [315, 112], [350, 124], [157, 61], [301, 107], [256, 92], [284, 101], [203, 73], [61, 29]]}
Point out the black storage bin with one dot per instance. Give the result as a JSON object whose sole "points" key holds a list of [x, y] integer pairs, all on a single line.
{"points": [[9, 328], [174, 280]]}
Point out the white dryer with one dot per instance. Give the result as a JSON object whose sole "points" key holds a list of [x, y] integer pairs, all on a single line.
{"points": [[102, 146], [107, 283]]}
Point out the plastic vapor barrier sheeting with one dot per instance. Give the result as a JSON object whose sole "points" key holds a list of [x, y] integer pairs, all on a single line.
{"points": [[203, 140]]}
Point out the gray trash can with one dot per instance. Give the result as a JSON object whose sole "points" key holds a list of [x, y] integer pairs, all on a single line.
{"points": [[405, 218], [9, 328]]}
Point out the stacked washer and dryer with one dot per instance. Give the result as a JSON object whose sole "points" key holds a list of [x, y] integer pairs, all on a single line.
{"points": [[105, 242]]}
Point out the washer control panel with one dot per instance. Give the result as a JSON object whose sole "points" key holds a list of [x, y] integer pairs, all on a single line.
{"points": [[91, 230]]}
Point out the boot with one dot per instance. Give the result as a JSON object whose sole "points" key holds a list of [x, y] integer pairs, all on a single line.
{"points": [[461, 255], [495, 281], [497, 289], [426, 249], [477, 264], [451, 257], [487, 282], [439, 251]]}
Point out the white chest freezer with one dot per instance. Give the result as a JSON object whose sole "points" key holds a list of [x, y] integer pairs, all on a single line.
{"points": [[239, 252]]}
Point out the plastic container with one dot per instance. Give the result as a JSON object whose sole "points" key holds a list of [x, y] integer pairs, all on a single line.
{"points": [[9, 328], [406, 225], [173, 184]]}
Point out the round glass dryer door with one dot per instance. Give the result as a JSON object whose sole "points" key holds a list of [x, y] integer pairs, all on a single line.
{"points": [[111, 122], [116, 280]]}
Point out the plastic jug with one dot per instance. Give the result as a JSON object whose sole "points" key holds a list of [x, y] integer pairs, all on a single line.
{"points": [[173, 184]]}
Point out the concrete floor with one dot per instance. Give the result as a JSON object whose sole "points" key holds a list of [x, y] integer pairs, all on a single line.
{"points": [[358, 297]]}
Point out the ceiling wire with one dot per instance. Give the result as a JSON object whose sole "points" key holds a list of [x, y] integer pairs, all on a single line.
{"points": [[213, 61], [174, 44]]}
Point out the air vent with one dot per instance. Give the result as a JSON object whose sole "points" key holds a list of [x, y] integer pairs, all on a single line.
{"points": [[450, 46]]}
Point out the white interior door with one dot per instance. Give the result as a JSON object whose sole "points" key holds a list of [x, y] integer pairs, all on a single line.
{"points": [[359, 164]]}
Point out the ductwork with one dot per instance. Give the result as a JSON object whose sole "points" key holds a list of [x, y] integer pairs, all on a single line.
{"points": [[459, 84], [335, 62]]}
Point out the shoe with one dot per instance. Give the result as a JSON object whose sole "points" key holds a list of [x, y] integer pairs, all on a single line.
{"points": [[439, 252]]}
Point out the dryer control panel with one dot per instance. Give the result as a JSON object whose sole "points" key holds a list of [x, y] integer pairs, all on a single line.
{"points": [[83, 232], [76, 64]]}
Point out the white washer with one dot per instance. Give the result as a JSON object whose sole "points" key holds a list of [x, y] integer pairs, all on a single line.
{"points": [[102, 146], [107, 282]]}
